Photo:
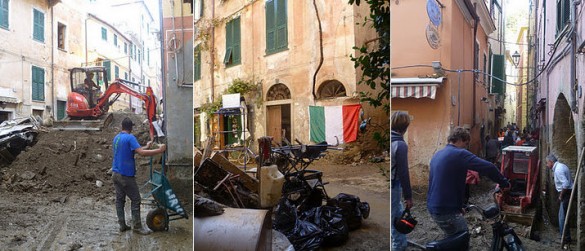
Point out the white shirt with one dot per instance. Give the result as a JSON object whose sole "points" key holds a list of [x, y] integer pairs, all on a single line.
{"points": [[562, 176]]}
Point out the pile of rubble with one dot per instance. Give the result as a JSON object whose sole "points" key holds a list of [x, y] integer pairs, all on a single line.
{"points": [[302, 211], [68, 162]]}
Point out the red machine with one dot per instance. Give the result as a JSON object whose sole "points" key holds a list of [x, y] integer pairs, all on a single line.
{"points": [[520, 164], [86, 104]]}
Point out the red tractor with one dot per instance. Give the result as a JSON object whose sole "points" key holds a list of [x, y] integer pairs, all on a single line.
{"points": [[91, 96], [520, 164]]}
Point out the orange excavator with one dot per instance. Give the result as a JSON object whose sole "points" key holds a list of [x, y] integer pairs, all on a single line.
{"points": [[87, 104]]}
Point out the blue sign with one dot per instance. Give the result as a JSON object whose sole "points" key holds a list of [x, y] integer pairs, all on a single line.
{"points": [[434, 12]]}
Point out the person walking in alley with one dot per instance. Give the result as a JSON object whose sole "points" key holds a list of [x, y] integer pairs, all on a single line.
{"points": [[509, 138], [400, 176], [564, 185], [448, 170], [492, 149], [123, 174]]}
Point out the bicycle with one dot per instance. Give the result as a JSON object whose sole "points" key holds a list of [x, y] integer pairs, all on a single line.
{"points": [[503, 236]]}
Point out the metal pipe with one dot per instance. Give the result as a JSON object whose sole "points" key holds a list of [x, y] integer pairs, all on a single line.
{"points": [[212, 54], [163, 63], [53, 103], [573, 37], [320, 50]]}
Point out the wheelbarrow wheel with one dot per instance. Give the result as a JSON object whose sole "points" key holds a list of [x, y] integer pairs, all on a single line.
{"points": [[157, 219]]}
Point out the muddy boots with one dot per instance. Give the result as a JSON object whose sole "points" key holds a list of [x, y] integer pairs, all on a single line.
{"points": [[122, 219], [137, 223]]}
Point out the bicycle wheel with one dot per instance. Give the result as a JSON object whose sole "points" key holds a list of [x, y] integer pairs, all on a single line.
{"points": [[244, 158]]}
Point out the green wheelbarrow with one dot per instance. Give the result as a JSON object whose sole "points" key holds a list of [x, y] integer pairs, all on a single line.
{"points": [[167, 205]]}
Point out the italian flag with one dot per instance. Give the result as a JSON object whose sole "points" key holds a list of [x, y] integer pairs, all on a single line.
{"points": [[328, 122]]}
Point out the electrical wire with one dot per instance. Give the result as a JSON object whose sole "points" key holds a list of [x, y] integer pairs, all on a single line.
{"points": [[490, 75]]}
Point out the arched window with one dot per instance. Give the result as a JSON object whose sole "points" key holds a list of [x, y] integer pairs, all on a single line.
{"points": [[331, 89], [278, 92]]}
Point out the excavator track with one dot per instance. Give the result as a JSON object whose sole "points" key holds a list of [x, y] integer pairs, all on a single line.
{"points": [[68, 124]]}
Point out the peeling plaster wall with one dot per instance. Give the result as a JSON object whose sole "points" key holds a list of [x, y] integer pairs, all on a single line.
{"points": [[293, 67]]}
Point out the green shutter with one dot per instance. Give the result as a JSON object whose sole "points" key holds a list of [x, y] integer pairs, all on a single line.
{"points": [[107, 65], [281, 27], [39, 26], [61, 106], [4, 13], [116, 71], [126, 48], [38, 84], [104, 34], [270, 26], [115, 40], [236, 56], [498, 71], [197, 64], [228, 42]]}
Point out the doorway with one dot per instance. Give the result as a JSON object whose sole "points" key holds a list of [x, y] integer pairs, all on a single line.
{"points": [[278, 122], [4, 116]]}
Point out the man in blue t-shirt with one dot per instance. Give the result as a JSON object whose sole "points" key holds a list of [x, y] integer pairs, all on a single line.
{"points": [[447, 181], [123, 172]]}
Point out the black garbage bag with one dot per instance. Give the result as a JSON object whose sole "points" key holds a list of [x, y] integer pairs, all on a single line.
{"points": [[302, 234], [331, 222], [353, 209], [285, 216], [306, 236]]}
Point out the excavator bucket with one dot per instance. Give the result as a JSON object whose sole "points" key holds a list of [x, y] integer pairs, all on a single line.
{"points": [[68, 124]]}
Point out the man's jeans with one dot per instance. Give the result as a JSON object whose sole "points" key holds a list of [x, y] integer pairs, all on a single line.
{"points": [[562, 214], [450, 223], [399, 242]]}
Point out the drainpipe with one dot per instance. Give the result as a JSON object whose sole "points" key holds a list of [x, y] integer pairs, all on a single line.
{"points": [[475, 59], [212, 54], [320, 50], [573, 37], [53, 103], [162, 61], [86, 40]]}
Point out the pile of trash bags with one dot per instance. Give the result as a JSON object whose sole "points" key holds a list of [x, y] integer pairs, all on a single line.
{"points": [[325, 225]]}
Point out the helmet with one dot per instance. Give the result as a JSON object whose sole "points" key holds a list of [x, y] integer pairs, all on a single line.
{"points": [[406, 223]]}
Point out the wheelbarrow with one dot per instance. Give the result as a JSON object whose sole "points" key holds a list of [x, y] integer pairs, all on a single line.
{"points": [[167, 205]]}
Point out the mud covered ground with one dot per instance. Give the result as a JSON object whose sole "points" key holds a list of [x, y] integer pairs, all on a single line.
{"points": [[481, 237], [57, 195], [369, 182]]}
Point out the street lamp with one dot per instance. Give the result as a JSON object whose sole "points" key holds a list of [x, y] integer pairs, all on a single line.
{"points": [[516, 59]]}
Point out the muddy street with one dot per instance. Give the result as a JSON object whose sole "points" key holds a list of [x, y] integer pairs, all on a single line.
{"points": [[481, 195], [58, 195]]}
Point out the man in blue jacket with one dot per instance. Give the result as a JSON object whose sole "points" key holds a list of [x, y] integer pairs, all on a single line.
{"points": [[447, 181]]}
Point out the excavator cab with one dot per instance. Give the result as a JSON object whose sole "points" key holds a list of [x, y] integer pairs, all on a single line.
{"points": [[89, 82], [91, 97]]}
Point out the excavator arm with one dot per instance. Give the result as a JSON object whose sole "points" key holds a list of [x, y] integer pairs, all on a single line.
{"points": [[119, 87]]}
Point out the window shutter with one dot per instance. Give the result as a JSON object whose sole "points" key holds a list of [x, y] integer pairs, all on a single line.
{"points": [[197, 64], [104, 34], [39, 26], [281, 29], [236, 41], [498, 71], [107, 65], [4, 13], [228, 42], [270, 26], [38, 84]]}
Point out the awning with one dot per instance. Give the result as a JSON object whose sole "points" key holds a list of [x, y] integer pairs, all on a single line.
{"points": [[415, 87], [8, 100]]}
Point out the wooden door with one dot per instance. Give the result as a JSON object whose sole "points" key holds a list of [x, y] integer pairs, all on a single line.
{"points": [[274, 123]]}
